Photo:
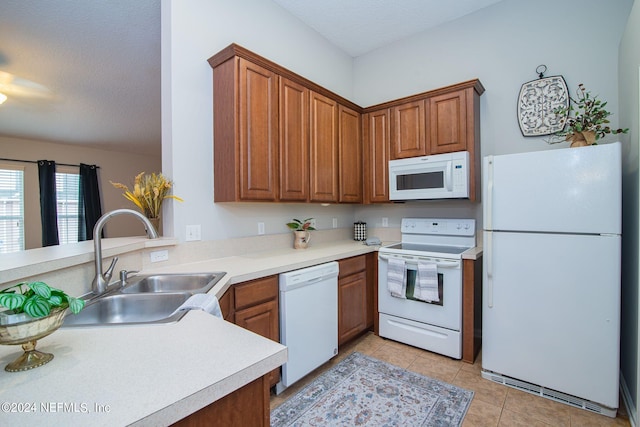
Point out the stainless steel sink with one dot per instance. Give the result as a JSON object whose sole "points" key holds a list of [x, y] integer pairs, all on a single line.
{"points": [[129, 309], [159, 283]]}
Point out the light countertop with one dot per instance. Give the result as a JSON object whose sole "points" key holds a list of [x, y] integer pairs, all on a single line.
{"points": [[155, 375], [152, 375]]}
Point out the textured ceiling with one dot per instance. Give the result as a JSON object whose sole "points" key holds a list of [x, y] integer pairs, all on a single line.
{"points": [[100, 60]]}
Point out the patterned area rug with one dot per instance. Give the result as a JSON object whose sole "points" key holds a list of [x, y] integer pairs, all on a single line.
{"points": [[362, 391]]}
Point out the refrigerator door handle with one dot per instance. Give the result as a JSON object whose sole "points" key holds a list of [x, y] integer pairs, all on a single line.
{"points": [[489, 266], [488, 214]]}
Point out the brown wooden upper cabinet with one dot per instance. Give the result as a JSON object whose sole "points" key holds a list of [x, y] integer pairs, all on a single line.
{"points": [[294, 141], [323, 149], [447, 123], [281, 137], [349, 155], [440, 121], [245, 129], [408, 131], [376, 127]]}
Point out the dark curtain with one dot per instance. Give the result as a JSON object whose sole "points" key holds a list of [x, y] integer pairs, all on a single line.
{"points": [[89, 210], [48, 203]]}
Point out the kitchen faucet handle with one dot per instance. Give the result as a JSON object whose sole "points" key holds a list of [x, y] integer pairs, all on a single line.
{"points": [[107, 274]]}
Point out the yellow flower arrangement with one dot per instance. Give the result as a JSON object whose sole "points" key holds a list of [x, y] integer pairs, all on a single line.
{"points": [[148, 193]]}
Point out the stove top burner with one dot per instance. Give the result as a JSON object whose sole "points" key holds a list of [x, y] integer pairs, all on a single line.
{"points": [[416, 247]]}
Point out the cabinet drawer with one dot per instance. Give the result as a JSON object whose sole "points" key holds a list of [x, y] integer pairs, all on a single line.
{"points": [[352, 265], [255, 291]]}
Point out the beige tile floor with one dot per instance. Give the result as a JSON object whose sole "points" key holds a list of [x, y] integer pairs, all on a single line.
{"points": [[492, 404]]}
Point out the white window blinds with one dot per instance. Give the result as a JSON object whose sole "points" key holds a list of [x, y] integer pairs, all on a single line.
{"points": [[11, 209], [67, 195]]}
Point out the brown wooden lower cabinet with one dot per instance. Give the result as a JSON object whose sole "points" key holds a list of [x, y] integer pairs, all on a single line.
{"points": [[254, 306], [247, 406], [355, 300], [471, 308]]}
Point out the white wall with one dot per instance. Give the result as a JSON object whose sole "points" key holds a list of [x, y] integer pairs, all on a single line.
{"points": [[114, 166], [501, 45], [629, 87], [193, 31]]}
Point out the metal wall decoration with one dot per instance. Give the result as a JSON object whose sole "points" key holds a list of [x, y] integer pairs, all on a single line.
{"points": [[537, 101]]}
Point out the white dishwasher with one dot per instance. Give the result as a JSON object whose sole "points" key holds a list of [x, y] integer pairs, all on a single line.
{"points": [[308, 320]]}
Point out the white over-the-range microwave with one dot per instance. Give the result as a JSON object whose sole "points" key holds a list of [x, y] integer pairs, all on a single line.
{"points": [[441, 176]]}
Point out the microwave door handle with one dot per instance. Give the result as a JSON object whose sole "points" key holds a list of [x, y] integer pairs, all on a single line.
{"points": [[448, 177]]}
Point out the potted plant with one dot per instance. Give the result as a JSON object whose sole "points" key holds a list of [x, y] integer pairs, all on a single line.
{"points": [[590, 120], [149, 191], [34, 310], [301, 232]]}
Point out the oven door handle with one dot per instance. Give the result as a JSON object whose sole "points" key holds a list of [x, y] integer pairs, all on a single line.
{"points": [[440, 264]]}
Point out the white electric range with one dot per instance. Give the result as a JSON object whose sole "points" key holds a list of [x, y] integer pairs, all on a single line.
{"points": [[427, 243]]}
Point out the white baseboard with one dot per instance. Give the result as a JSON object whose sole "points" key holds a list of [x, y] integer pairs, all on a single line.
{"points": [[628, 402]]}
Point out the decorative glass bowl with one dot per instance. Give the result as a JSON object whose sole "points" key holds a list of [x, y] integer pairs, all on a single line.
{"points": [[27, 333]]}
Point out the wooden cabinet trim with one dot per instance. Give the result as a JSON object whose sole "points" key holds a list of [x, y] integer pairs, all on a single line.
{"points": [[474, 84], [237, 50]]}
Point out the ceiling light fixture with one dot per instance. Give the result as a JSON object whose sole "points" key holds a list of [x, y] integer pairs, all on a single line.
{"points": [[3, 98]]}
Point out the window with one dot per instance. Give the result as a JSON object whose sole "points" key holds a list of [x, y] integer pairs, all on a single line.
{"points": [[67, 195], [11, 209]]}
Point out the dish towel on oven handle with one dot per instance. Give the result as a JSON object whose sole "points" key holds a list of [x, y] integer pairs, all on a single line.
{"points": [[396, 277], [427, 283]]}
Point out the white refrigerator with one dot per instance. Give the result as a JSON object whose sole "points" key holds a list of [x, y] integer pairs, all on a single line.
{"points": [[551, 273]]}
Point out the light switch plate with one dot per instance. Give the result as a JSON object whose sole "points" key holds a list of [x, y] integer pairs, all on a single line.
{"points": [[385, 222], [193, 233]]}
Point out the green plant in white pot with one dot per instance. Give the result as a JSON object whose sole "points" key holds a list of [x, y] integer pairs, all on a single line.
{"points": [[35, 310]]}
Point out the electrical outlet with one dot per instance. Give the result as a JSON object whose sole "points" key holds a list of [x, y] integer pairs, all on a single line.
{"points": [[385, 222], [261, 228], [335, 222], [193, 233], [157, 256]]}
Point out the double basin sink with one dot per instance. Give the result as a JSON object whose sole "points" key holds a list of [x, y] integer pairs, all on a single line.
{"points": [[144, 299]]}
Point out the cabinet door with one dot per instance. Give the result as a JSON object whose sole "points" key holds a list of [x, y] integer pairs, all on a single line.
{"points": [[258, 132], [263, 320], [448, 123], [323, 149], [350, 156], [377, 142], [408, 130], [352, 306], [294, 141], [226, 306]]}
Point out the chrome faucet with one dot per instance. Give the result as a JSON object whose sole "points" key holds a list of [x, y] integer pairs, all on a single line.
{"points": [[101, 280]]}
